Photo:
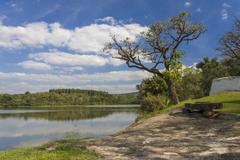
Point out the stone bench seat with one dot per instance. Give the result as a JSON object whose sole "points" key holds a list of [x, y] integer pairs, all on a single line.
{"points": [[207, 109]]}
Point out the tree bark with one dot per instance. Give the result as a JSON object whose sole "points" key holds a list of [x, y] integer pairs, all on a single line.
{"points": [[172, 91]]}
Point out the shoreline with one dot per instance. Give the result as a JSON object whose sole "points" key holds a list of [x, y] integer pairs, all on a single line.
{"points": [[170, 134], [151, 139]]}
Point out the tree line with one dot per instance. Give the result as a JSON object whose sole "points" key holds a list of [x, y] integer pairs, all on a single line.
{"points": [[195, 81], [66, 97]]}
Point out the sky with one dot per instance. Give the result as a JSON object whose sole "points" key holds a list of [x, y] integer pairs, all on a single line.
{"points": [[59, 44]]}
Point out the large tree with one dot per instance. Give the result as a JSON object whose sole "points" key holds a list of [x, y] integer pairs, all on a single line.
{"points": [[230, 42], [158, 49], [190, 85]]}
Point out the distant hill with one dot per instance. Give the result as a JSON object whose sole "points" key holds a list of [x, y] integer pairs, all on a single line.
{"points": [[67, 97]]}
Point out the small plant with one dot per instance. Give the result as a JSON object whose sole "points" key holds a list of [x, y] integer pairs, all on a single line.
{"points": [[151, 103]]}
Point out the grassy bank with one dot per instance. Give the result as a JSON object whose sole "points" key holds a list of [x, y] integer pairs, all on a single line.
{"points": [[59, 150], [230, 100]]}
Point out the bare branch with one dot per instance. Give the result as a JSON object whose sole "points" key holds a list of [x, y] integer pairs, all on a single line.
{"points": [[158, 47], [230, 42]]}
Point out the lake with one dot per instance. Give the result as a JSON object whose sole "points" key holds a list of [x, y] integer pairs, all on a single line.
{"points": [[21, 128]]}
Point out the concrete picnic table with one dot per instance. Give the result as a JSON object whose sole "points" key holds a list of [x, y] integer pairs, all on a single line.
{"points": [[206, 108]]}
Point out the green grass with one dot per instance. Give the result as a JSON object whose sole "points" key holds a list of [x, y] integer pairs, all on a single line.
{"points": [[59, 150], [230, 100]]}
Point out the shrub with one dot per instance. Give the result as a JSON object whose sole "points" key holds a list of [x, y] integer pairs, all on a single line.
{"points": [[151, 103]]}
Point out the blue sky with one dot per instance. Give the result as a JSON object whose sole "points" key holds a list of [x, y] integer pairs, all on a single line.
{"points": [[58, 44]]}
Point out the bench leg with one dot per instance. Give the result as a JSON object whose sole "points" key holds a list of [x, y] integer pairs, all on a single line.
{"points": [[210, 114], [186, 111]]}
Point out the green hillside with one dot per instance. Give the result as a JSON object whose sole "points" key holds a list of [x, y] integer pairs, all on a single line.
{"points": [[67, 97]]}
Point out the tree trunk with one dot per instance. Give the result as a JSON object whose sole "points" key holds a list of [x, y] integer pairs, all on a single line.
{"points": [[172, 91]]}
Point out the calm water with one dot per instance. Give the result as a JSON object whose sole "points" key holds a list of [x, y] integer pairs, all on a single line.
{"points": [[20, 128]]}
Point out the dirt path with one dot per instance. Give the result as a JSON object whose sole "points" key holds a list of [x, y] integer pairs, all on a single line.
{"points": [[174, 136]]}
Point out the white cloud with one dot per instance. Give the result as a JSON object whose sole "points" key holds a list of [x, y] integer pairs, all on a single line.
{"points": [[224, 11], [114, 82], [2, 18], [34, 65], [225, 5], [224, 14], [187, 4], [14, 6], [72, 69], [67, 59], [113, 76], [90, 38], [107, 19], [82, 46], [199, 10], [72, 61]]}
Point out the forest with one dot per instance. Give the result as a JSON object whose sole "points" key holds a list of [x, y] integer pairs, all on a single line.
{"points": [[66, 97]]}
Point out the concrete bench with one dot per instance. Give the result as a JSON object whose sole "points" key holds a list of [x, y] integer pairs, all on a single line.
{"points": [[207, 109]]}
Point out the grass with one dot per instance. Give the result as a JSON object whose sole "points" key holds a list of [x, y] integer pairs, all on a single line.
{"points": [[230, 100], [58, 150]]}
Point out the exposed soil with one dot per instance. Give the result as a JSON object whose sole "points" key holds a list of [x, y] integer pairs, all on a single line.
{"points": [[174, 136]]}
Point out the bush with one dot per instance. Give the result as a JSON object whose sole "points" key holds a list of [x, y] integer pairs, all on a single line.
{"points": [[151, 103]]}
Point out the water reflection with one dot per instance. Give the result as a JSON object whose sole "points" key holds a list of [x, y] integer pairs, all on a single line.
{"points": [[32, 128], [55, 115]]}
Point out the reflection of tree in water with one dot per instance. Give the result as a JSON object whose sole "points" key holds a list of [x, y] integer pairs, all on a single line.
{"points": [[60, 115]]}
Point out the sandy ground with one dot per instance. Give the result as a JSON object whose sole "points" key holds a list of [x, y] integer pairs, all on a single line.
{"points": [[174, 136]]}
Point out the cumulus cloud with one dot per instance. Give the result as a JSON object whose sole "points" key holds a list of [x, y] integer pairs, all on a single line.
{"points": [[114, 81], [34, 65], [68, 59], [90, 38], [113, 76], [81, 46], [187, 4]]}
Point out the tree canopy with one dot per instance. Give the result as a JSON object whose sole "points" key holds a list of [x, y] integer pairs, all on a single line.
{"points": [[158, 49], [230, 42], [56, 97]]}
